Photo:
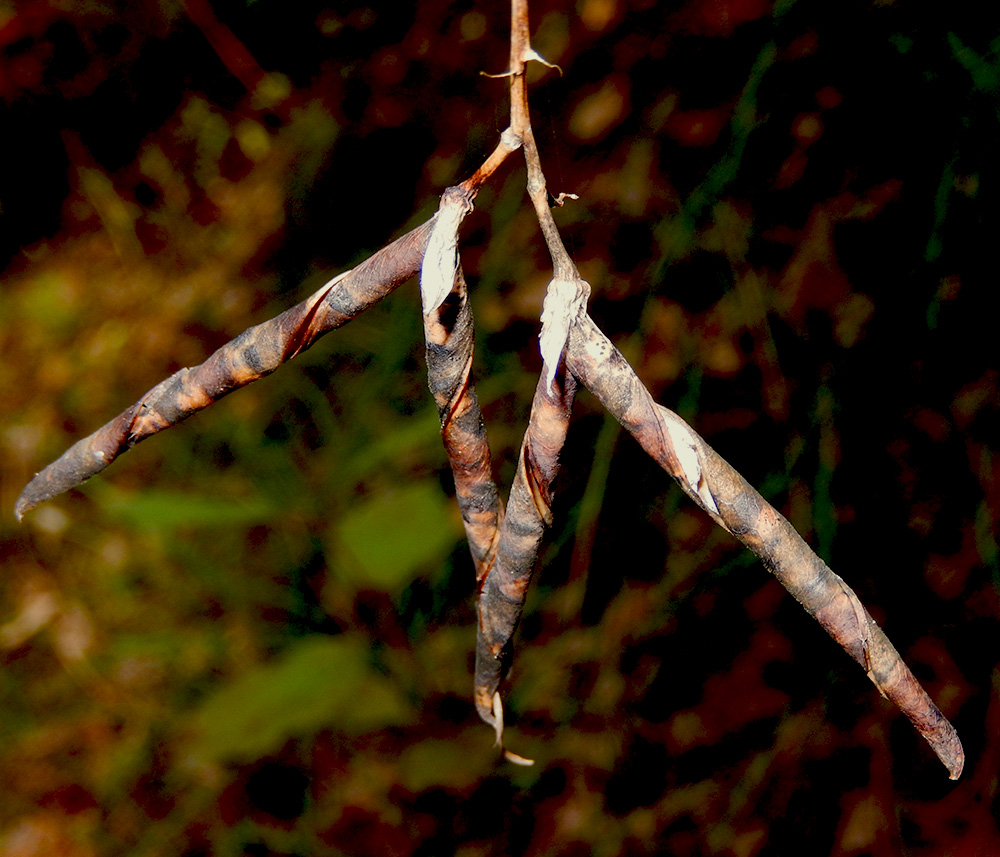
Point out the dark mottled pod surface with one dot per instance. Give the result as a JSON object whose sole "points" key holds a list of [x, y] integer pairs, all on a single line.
{"points": [[448, 333], [741, 510], [529, 512], [252, 355], [827, 598]]}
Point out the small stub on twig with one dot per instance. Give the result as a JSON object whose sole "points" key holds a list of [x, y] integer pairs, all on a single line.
{"points": [[531, 54], [527, 56], [440, 264], [565, 301]]}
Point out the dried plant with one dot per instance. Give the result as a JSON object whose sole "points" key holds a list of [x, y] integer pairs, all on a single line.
{"points": [[504, 541]]}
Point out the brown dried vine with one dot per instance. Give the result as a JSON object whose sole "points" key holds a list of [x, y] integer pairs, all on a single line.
{"points": [[504, 542]]}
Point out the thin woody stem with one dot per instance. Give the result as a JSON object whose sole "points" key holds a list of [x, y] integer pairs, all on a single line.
{"points": [[528, 513], [520, 123], [509, 142]]}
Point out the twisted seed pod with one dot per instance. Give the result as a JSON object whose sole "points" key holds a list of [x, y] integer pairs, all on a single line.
{"points": [[252, 355], [529, 512], [448, 333], [725, 495]]}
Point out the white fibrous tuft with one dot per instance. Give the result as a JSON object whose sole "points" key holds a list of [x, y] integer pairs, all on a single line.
{"points": [[437, 272], [565, 301], [686, 450]]}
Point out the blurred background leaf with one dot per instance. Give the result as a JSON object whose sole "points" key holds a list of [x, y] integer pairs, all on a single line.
{"points": [[394, 534], [316, 683]]}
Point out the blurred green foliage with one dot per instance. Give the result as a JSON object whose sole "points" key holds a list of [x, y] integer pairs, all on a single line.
{"points": [[392, 536], [316, 683]]}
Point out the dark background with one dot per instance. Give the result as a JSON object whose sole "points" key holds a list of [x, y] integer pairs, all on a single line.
{"points": [[253, 634]]}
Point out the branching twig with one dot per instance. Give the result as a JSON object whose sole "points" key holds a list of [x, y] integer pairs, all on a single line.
{"points": [[567, 293], [502, 593], [504, 545]]}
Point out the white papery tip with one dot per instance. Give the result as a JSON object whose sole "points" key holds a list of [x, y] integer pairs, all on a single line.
{"points": [[437, 271], [498, 718], [498, 726], [565, 301]]}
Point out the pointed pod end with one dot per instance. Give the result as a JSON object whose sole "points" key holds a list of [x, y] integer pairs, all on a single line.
{"points": [[514, 758], [956, 761], [25, 503]]}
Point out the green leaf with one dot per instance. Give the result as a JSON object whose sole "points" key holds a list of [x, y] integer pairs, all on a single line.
{"points": [[317, 683], [167, 510], [446, 763], [389, 537]]}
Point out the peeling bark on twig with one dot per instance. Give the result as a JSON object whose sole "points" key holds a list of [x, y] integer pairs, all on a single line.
{"points": [[725, 495]]}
